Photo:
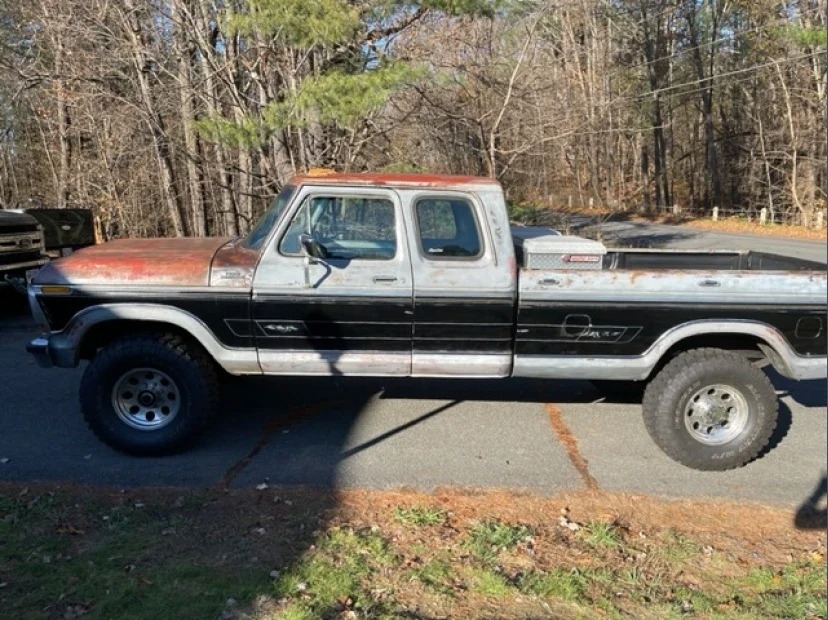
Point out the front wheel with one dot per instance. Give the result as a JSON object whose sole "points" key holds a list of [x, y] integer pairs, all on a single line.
{"points": [[710, 409], [148, 394]]}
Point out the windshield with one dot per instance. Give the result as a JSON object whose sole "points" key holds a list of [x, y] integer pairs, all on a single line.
{"points": [[257, 236]]}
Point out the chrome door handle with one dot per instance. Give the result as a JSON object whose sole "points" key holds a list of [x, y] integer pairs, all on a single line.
{"points": [[710, 283], [550, 282], [379, 279]]}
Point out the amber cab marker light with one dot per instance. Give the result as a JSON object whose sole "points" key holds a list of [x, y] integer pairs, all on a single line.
{"points": [[56, 290], [320, 172]]}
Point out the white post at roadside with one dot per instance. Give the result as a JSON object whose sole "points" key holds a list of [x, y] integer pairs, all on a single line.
{"points": [[763, 216], [715, 214]]}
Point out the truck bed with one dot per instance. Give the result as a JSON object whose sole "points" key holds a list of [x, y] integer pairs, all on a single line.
{"points": [[724, 260], [540, 248]]}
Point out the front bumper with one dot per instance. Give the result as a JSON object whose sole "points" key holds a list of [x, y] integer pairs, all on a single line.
{"points": [[37, 311], [53, 350], [24, 266], [39, 347]]}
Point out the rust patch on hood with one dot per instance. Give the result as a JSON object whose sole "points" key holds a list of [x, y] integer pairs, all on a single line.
{"points": [[154, 262]]}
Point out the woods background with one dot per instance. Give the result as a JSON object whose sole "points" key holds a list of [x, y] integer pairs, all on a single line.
{"points": [[184, 117]]}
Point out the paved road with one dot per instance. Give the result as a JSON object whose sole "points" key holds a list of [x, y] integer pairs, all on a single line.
{"points": [[684, 238], [400, 433]]}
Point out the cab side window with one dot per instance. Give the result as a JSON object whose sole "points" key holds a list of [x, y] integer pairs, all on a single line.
{"points": [[347, 227], [447, 228]]}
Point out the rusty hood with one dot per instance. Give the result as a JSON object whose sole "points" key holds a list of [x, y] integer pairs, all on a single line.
{"points": [[136, 262]]}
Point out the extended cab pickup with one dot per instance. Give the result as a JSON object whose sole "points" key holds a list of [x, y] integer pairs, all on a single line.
{"points": [[422, 276]]}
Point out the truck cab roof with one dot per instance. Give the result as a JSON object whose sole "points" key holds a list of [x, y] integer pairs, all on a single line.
{"points": [[402, 180]]}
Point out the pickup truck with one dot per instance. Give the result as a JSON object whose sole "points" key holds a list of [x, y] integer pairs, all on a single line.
{"points": [[22, 247], [30, 237], [422, 276]]}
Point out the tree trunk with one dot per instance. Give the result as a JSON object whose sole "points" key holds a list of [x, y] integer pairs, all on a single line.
{"points": [[64, 145], [62, 111], [187, 117], [155, 121], [705, 78], [654, 44], [226, 211]]}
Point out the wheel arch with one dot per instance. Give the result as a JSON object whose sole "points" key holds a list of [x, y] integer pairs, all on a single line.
{"points": [[95, 327], [748, 345], [752, 339], [105, 332]]}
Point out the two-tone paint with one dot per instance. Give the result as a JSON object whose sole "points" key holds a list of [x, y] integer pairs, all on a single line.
{"points": [[258, 311]]}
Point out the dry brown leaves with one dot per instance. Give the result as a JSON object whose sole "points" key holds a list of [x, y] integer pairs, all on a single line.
{"points": [[752, 525]]}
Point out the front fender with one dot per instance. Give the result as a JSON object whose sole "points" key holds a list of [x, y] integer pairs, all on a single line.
{"points": [[63, 347]]}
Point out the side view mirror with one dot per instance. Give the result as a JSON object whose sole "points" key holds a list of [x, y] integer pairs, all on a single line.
{"points": [[311, 246]]}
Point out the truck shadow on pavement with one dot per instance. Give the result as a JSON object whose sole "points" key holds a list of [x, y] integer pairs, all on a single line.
{"points": [[13, 308], [811, 393], [306, 425]]}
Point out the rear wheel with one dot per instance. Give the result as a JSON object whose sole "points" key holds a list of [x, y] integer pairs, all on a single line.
{"points": [[710, 409], [148, 394]]}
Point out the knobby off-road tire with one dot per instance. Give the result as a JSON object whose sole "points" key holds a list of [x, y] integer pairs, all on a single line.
{"points": [[710, 409], [149, 394]]}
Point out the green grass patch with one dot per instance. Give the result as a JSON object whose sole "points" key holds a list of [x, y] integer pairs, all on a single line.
{"points": [[419, 516], [434, 574], [795, 591], [490, 537], [558, 583], [78, 554], [335, 574], [114, 565], [488, 583], [677, 547], [601, 534]]}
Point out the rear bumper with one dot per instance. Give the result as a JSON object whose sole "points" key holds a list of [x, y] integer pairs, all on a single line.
{"points": [[53, 350]]}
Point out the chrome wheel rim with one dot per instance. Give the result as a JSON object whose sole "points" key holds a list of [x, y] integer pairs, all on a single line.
{"points": [[146, 399], [716, 414]]}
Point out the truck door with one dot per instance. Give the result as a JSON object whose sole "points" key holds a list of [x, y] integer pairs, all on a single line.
{"points": [[349, 309], [463, 295]]}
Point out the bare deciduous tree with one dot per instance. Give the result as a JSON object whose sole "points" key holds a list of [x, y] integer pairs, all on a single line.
{"points": [[175, 117]]}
